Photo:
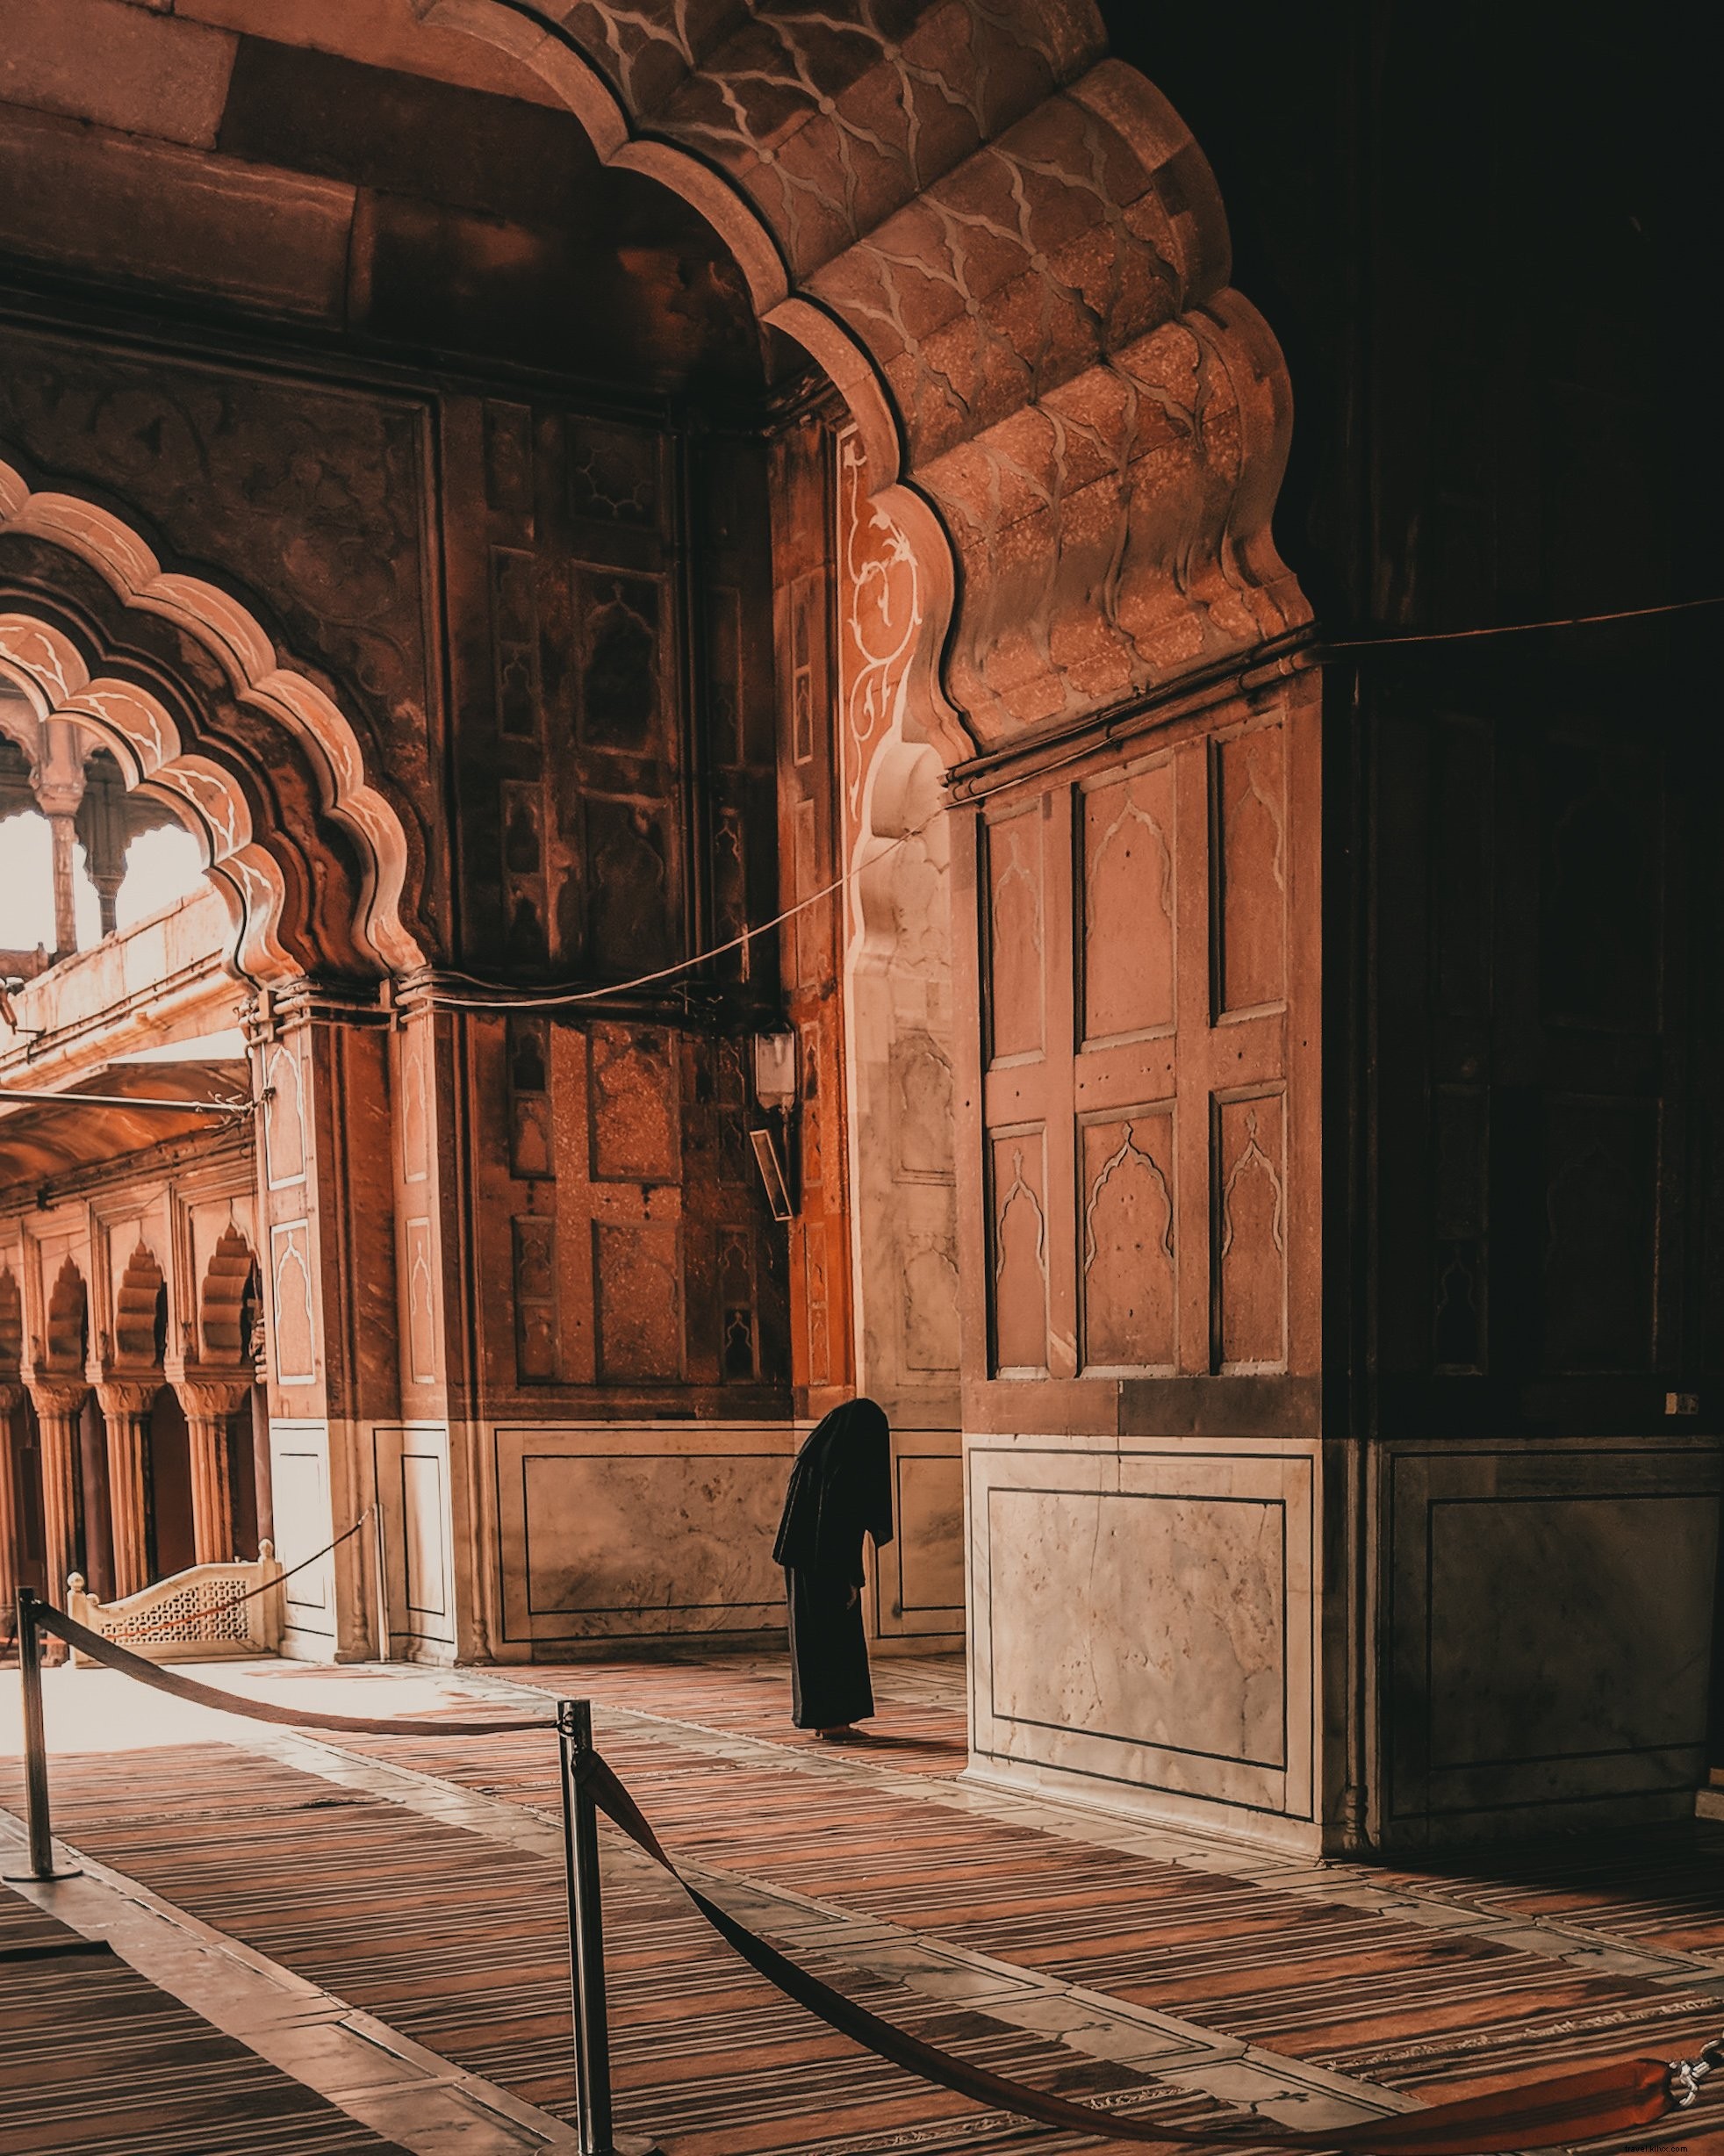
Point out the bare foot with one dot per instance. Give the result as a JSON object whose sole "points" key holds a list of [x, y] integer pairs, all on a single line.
{"points": [[837, 1735]]}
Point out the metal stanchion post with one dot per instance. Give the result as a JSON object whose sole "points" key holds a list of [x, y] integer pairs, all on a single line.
{"points": [[586, 1944], [35, 1748]]}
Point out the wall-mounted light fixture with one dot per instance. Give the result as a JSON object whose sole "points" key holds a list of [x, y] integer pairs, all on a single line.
{"points": [[775, 1095]]}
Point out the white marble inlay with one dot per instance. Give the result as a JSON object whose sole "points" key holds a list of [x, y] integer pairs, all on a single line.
{"points": [[1189, 1654]]}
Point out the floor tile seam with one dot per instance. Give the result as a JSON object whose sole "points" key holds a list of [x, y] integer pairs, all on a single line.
{"points": [[152, 1936], [1181, 1850], [1302, 2082]]}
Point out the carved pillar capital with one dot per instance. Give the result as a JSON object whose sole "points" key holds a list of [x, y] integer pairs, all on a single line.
{"points": [[57, 1393], [211, 1400], [211, 1396], [128, 1394]]}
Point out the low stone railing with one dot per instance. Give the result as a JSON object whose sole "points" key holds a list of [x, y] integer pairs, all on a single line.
{"points": [[209, 1613]]}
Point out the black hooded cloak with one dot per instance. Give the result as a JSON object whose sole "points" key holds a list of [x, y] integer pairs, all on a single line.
{"points": [[840, 1487]]}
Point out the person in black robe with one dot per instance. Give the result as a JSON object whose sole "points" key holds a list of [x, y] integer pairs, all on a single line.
{"points": [[840, 1488]]}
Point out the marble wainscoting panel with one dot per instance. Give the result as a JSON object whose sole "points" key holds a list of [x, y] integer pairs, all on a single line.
{"points": [[415, 1493], [299, 1494], [615, 1531], [1550, 1607], [919, 1575], [1143, 1626]]}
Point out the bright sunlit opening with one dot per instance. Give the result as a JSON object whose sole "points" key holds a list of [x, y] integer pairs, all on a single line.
{"points": [[161, 866]]}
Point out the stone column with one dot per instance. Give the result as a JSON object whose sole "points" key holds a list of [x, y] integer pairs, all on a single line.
{"points": [[11, 1394], [210, 1405], [126, 1410], [58, 787], [58, 1403], [102, 825]]}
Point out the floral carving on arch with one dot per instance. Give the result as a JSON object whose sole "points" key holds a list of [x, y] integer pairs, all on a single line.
{"points": [[1011, 258], [51, 668]]}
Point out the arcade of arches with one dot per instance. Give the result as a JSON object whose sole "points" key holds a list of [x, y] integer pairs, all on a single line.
{"points": [[542, 492]]}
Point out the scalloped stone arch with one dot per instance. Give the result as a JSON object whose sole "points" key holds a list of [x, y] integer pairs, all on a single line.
{"points": [[1011, 258], [229, 1280], [42, 659], [12, 1324], [139, 1304], [68, 1321]]}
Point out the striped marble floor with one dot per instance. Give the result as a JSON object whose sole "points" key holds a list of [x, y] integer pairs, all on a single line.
{"points": [[417, 1879], [93, 2057]]}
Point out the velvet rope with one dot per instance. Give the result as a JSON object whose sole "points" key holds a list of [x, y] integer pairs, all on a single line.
{"points": [[151, 1673], [1576, 2107], [1600, 2103]]}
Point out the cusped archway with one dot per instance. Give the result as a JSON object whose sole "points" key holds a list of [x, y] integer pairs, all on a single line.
{"points": [[230, 1305], [182, 682], [141, 1311], [68, 1343], [11, 1325], [1010, 256]]}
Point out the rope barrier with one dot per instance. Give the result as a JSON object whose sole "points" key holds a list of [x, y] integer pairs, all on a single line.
{"points": [[1598, 2103], [220, 1609], [117, 1658], [1588, 2106]]}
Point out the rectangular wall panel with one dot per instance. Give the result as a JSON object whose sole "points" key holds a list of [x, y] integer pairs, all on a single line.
{"points": [[1127, 944], [1018, 1282], [1126, 1245], [629, 1530], [299, 1485], [1142, 1620], [637, 1273], [1013, 936], [1593, 1695], [1249, 869], [1248, 1236], [414, 1488]]}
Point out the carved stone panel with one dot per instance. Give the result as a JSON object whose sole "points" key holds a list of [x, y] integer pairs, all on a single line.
{"points": [[535, 1242], [620, 698], [931, 1305], [416, 1089], [637, 1277], [1126, 1251], [1020, 1255], [294, 1328], [629, 850], [524, 889], [614, 475], [813, 929], [635, 1118], [514, 639], [284, 1145], [1248, 800], [1014, 932], [531, 1151], [1127, 838], [508, 460], [1248, 1233], [922, 1127], [738, 1310], [817, 1300], [422, 1304]]}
